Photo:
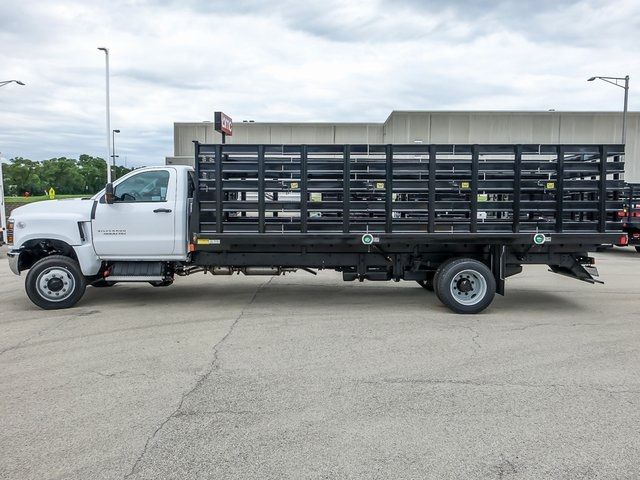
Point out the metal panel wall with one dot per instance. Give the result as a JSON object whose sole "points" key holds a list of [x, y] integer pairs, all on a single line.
{"points": [[407, 127]]}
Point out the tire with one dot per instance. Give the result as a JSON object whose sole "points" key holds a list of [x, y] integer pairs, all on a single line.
{"points": [[465, 285], [427, 284], [55, 282], [638, 248], [164, 283]]}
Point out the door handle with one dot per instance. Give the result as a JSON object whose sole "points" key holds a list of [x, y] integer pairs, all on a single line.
{"points": [[162, 210]]}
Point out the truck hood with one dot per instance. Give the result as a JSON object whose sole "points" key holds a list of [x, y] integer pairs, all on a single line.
{"points": [[77, 208]]}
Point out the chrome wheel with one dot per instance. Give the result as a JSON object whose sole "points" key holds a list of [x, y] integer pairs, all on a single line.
{"points": [[468, 287], [55, 284]]}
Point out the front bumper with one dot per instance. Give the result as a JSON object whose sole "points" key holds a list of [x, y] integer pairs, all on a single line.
{"points": [[14, 257]]}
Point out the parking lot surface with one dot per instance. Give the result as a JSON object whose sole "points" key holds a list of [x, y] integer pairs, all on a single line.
{"points": [[310, 377]]}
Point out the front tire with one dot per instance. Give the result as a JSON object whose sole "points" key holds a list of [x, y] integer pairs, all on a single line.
{"points": [[55, 282], [465, 285]]}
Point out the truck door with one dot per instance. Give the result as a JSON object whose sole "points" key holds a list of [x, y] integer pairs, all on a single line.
{"points": [[141, 221]]}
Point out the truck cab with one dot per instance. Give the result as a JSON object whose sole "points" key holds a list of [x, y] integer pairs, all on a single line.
{"points": [[141, 218]]}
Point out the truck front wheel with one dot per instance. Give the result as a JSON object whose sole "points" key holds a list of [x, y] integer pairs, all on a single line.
{"points": [[465, 285], [55, 282]]}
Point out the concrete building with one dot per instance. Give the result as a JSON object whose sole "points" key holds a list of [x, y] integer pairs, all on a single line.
{"points": [[463, 127]]}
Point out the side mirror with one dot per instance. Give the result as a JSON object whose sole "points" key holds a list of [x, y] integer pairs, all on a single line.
{"points": [[109, 197]]}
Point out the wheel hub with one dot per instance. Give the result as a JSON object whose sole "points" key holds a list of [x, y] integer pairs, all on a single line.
{"points": [[55, 284], [468, 287], [465, 285]]}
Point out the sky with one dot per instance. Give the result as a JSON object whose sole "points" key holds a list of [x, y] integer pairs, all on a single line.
{"points": [[329, 60]]}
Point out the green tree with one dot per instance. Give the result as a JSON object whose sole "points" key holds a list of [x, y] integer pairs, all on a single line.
{"points": [[94, 172], [22, 175], [63, 175], [85, 176]]}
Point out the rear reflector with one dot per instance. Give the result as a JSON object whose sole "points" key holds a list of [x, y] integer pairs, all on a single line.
{"points": [[623, 241]]}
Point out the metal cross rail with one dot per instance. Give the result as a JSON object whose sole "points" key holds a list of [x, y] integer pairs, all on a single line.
{"points": [[465, 192]]}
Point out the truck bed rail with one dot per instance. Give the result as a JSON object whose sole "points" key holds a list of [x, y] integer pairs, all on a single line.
{"points": [[464, 190]]}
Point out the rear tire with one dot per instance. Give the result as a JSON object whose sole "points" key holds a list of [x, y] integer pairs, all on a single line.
{"points": [[465, 285], [164, 283], [55, 282], [638, 248]]}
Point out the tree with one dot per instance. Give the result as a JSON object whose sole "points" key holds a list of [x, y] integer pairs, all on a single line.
{"points": [[22, 175], [84, 176], [94, 172], [63, 175]]}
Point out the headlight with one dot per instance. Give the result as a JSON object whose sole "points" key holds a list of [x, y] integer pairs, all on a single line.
{"points": [[10, 224]]}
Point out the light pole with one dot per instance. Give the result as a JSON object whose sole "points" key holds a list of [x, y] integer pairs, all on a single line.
{"points": [[106, 59], [113, 149], [7, 82], [3, 220], [614, 81]]}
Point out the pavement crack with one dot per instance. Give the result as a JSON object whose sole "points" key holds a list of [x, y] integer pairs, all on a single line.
{"points": [[476, 334], [610, 390], [525, 327], [213, 366], [36, 335]]}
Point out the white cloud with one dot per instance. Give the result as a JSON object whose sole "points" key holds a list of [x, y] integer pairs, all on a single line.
{"points": [[317, 61]]}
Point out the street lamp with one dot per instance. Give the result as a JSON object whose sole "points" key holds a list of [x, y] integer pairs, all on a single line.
{"points": [[7, 82], [614, 81], [113, 149], [106, 59]]}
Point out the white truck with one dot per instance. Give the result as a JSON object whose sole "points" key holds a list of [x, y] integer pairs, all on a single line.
{"points": [[457, 219]]}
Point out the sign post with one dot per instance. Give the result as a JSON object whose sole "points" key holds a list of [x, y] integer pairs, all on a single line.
{"points": [[223, 124]]}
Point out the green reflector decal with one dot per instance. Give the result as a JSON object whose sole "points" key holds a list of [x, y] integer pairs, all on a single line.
{"points": [[367, 239], [539, 238]]}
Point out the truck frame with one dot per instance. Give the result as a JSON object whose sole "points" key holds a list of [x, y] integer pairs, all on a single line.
{"points": [[457, 219]]}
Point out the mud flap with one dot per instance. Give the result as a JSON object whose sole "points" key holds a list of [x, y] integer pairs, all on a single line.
{"points": [[499, 266], [576, 269]]}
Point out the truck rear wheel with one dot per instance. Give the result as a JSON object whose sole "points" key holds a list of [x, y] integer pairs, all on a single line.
{"points": [[55, 282], [465, 285]]}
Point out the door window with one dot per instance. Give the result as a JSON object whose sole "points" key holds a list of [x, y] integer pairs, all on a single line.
{"points": [[144, 187]]}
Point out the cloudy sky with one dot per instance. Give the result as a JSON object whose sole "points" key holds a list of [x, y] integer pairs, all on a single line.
{"points": [[328, 60]]}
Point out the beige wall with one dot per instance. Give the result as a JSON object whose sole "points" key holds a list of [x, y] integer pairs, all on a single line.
{"points": [[433, 127]]}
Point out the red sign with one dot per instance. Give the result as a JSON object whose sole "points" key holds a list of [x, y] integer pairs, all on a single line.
{"points": [[223, 123]]}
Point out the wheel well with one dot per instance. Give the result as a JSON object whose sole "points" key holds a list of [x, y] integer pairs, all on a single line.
{"points": [[34, 250]]}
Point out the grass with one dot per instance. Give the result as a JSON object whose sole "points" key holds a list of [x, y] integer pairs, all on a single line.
{"points": [[38, 198]]}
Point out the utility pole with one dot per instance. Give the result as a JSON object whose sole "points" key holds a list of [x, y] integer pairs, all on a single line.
{"points": [[106, 59]]}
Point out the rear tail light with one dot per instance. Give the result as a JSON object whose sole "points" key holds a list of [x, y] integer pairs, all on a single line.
{"points": [[622, 213], [623, 241], [10, 226]]}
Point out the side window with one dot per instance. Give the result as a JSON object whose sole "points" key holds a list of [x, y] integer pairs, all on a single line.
{"points": [[144, 187], [191, 185]]}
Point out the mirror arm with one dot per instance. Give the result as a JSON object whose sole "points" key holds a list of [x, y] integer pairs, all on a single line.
{"points": [[109, 196]]}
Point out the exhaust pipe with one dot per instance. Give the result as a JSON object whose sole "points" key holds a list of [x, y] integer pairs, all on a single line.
{"points": [[250, 270]]}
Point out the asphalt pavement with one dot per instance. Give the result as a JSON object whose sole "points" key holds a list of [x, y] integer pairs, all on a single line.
{"points": [[311, 377]]}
